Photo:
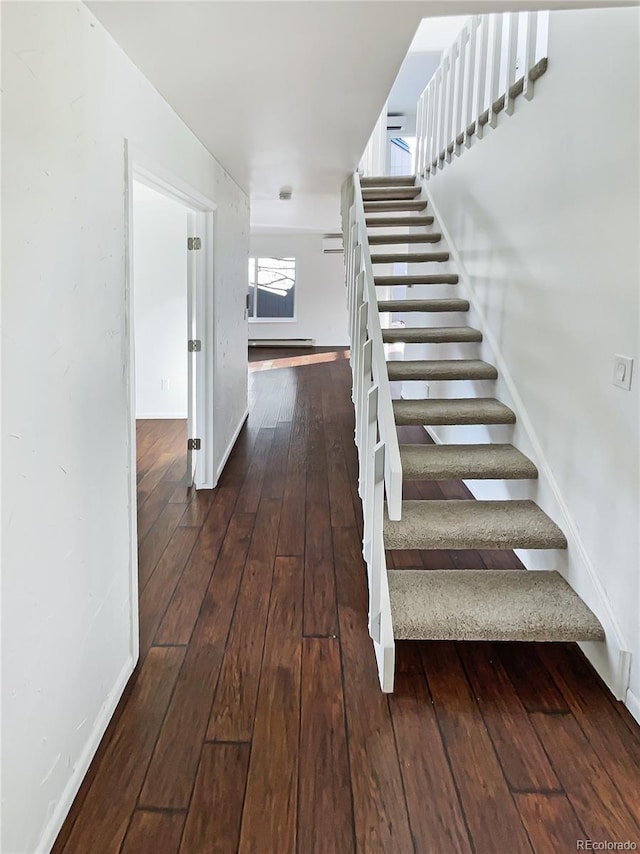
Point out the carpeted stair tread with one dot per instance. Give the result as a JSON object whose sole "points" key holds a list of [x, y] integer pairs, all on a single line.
{"points": [[431, 279], [488, 605], [423, 305], [472, 524], [427, 237], [431, 335], [397, 221], [455, 462], [440, 369], [409, 257], [463, 410], [393, 193], [404, 205], [388, 181]]}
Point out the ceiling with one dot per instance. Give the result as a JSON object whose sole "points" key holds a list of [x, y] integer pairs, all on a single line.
{"points": [[282, 93], [437, 34], [433, 36]]}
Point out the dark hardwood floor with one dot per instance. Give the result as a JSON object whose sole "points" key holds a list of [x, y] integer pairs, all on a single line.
{"points": [[254, 721]]}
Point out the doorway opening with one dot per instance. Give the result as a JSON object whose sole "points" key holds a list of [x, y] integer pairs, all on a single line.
{"points": [[170, 308], [160, 309]]}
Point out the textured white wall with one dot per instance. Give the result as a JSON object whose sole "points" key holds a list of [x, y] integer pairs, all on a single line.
{"points": [[160, 304], [70, 99], [321, 299], [545, 213]]}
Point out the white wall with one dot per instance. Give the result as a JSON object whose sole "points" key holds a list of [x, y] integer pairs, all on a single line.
{"points": [[320, 297], [160, 304], [545, 213], [70, 99]]}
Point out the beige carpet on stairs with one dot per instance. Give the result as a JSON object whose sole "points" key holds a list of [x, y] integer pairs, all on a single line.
{"points": [[488, 605]]}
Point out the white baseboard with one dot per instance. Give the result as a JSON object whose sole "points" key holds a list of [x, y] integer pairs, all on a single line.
{"points": [[227, 453], [633, 704], [140, 416], [81, 767]]}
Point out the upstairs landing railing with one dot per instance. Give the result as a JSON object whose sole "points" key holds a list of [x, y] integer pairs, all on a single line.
{"points": [[494, 60]]}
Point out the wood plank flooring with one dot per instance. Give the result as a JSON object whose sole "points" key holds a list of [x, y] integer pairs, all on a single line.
{"points": [[254, 721]]}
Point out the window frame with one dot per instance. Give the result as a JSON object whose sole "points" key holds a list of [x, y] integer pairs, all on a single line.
{"points": [[253, 319]]}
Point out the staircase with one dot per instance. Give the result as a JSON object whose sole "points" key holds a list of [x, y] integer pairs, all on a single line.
{"points": [[386, 222]]}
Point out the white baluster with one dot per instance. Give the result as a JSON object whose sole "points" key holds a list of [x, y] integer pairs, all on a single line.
{"points": [[417, 156], [471, 76], [496, 58], [367, 479], [353, 274], [482, 72], [430, 127], [426, 102], [442, 123], [437, 116], [460, 91], [433, 144], [378, 565], [362, 404], [513, 19], [530, 53], [360, 368], [453, 59]]}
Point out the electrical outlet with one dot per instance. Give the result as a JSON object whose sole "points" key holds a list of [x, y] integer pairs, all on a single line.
{"points": [[622, 370], [164, 385]]}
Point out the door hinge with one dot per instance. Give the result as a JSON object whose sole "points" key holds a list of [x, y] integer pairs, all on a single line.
{"points": [[195, 345], [194, 243], [193, 444]]}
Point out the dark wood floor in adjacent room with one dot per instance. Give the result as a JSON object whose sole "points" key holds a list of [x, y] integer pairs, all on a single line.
{"points": [[254, 721]]}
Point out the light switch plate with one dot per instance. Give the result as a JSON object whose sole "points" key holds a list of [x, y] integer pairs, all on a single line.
{"points": [[622, 370]]}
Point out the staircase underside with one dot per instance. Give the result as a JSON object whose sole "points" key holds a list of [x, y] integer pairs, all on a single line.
{"points": [[488, 605]]}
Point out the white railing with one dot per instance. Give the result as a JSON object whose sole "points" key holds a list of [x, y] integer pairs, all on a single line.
{"points": [[380, 470], [494, 59]]}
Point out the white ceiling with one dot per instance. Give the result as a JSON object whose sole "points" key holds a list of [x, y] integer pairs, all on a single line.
{"points": [[433, 36], [437, 34], [282, 93]]}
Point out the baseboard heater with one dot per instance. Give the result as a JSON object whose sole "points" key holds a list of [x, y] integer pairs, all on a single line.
{"points": [[282, 342]]}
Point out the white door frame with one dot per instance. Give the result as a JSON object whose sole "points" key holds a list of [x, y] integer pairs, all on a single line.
{"points": [[142, 168]]}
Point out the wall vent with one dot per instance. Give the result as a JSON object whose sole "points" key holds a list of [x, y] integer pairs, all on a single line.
{"points": [[396, 122], [332, 244]]}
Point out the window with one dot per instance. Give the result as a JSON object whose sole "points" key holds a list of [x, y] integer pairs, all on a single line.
{"points": [[271, 288]]}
